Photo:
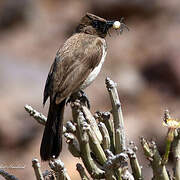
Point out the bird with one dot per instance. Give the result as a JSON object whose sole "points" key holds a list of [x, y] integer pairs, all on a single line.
{"points": [[76, 65]]}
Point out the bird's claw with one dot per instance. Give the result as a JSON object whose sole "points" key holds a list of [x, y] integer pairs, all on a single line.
{"points": [[81, 95], [84, 99]]}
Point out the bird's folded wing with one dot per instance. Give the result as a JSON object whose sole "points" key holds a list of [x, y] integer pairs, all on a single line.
{"points": [[72, 65]]}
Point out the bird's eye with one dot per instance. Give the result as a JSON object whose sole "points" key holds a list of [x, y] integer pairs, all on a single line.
{"points": [[100, 26], [95, 24]]}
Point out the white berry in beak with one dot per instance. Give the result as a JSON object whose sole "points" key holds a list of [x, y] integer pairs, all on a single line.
{"points": [[116, 25]]}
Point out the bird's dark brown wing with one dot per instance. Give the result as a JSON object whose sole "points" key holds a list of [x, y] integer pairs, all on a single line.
{"points": [[48, 84], [73, 63]]}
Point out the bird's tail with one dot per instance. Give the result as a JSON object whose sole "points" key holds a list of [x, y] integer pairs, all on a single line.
{"points": [[51, 144]]}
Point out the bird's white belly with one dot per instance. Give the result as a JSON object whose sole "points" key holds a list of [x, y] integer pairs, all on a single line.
{"points": [[92, 76]]}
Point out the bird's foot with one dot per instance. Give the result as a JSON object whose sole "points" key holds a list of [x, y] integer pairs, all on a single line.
{"points": [[80, 95], [84, 99]]}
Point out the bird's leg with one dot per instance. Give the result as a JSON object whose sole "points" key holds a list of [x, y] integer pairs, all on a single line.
{"points": [[81, 95], [69, 99], [84, 99], [74, 97]]}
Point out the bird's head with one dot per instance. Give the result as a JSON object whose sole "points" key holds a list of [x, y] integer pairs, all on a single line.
{"points": [[94, 25]]}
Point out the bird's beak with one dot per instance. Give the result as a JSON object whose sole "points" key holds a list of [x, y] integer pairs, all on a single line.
{"points": [[110, 24]]}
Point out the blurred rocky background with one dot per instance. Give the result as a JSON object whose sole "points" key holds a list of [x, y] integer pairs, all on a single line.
{"points": [[145, 63]]}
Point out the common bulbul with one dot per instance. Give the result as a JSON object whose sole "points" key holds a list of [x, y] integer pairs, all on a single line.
{"points": [[75, 67]]}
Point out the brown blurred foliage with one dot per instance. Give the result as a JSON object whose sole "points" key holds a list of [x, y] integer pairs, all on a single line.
{"points": [[144, 62]]}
